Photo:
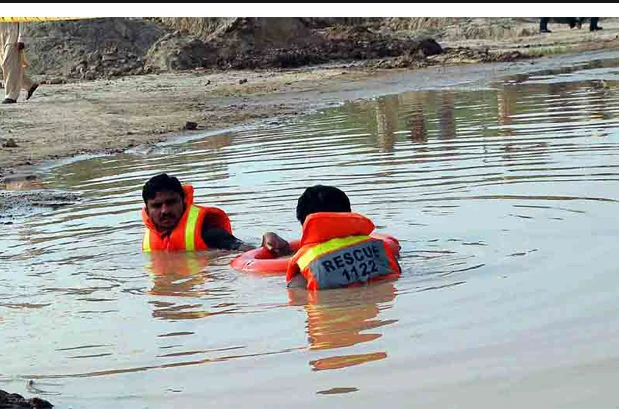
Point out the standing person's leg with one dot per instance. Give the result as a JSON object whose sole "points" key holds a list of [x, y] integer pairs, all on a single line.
{"points": [[543, 25], [579, 21], [572, 21], [27, 84], [12, 71], [593, 24]]}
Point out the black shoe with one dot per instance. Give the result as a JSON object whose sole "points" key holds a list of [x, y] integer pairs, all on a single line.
{"points": [[545, 30], [31, 90], [595, 28], [9, 101]]}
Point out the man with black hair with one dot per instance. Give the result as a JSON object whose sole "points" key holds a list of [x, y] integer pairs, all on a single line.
{"points": [[174, 223], [321, 198], [336, 247]]}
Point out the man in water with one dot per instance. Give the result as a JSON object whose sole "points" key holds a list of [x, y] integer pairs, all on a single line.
{"points": [[336, 249], [174, 223]]}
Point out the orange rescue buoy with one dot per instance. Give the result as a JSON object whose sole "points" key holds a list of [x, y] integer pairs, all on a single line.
{"points": [[262, 261]]}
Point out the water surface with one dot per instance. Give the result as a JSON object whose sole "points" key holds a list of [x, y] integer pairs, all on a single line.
{"points": [[504, 200]]}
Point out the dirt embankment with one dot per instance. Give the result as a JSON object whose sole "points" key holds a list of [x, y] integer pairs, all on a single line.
{"points": [[113, 47], [16, 401], [250, 43], [89, 49]]}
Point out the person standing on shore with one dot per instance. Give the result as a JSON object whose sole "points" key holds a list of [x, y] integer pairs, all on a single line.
{"points": [[572, 21], [13, 62]]}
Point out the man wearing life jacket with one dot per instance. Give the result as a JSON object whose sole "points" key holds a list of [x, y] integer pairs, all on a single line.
{"points": [[336, 249], [174, 223]]}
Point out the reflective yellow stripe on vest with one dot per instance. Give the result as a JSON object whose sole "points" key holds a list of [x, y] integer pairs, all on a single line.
{"points": [[190, 228], [327, 247], [146, 241]]}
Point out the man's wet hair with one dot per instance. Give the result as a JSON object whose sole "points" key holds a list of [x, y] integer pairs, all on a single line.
{"points": [[161, 183], [321, 198]]}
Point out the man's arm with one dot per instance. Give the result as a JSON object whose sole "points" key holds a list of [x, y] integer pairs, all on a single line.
{"points": [[216, 238], [276, 245]]}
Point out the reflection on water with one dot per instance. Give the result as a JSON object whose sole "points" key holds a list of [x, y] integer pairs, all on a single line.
{"points": [[334, 391], [339, 318], [22, 184], [447, 115], [183, 275], [387, 121], [507, 98], [504, 200], [178, 274], [416, 119]]}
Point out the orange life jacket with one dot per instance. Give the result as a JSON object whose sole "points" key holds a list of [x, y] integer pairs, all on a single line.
{"points": [[187, 235], [336, 251]]}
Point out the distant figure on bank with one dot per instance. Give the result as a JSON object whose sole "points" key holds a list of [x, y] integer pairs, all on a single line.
{"points": [[174, 223], [336, 249], [13, 62], [593, 24], [572, 21]]}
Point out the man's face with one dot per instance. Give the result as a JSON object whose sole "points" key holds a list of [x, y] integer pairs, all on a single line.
{"points": [[165, 210]]}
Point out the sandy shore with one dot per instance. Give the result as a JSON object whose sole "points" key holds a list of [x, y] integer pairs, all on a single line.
{"points": [[107, 116]]}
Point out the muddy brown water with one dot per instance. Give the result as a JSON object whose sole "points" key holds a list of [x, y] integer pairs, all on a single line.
{"points": [[505, 200]]}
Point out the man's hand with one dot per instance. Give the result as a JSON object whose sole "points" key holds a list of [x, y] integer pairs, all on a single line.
{"points": [[21, 46], [276, 244]]}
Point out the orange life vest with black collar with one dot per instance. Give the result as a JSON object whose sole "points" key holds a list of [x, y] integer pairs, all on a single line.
{"points": [[337, 251], [187, 235]]}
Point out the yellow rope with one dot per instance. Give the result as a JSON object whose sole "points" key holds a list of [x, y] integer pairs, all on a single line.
{"points": [[35, 19]]}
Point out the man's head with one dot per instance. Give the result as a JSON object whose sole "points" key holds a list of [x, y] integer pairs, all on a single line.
{"points": [[321, 198], [164, 198]]}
